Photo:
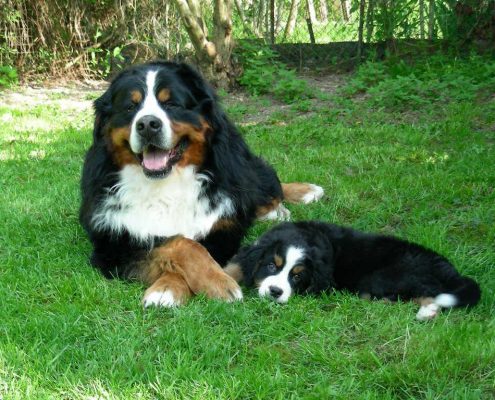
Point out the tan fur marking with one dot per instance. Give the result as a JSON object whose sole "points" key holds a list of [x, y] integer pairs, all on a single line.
{"points": [[266, 208], [424, 301], [163, 95], [118, 145], [196, 149], [234, 270], [136, 96], [192, 262], [298, 269], [223, 224], [294, 192], [279, 261]]}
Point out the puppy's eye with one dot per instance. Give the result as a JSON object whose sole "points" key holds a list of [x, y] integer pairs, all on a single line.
{"points": [[296, 278], [131, 107], [271, 267]]}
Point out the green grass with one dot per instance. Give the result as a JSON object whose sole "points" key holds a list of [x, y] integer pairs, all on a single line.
{"points": [[424, 172]]}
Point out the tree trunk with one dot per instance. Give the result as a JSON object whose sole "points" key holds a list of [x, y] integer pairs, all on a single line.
{"points": [[345, 9], [422, 19], [291, 22], [360, 29], [311, 11], [431, 19], [213, 56], [370, 20], [323, 11]]}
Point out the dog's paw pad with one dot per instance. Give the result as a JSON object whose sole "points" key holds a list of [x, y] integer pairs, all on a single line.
{"points": [[160, 299], [428, 312], [314, 194]]}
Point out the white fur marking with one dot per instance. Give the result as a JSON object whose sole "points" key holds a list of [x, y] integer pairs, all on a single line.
{"points": [[150, 106], [315, 194], [281, 280], [428, 312], [160, 299], [164, 207], [446, 300]]}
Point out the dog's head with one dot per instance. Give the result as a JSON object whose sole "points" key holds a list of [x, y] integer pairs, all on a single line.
{"points": [[281, 264], [157, 115]]}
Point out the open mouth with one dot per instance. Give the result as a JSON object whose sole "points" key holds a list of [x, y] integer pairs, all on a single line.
{"points": [[158, 162]]}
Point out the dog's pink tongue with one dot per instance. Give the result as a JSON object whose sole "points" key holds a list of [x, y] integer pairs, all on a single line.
{"points": [[155, 159]]}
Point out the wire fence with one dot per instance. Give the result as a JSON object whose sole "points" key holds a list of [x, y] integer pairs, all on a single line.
{"points": [[97, 37]]}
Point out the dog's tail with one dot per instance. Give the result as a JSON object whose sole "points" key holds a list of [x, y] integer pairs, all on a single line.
{"points": [[461, 292], [302, 192]]}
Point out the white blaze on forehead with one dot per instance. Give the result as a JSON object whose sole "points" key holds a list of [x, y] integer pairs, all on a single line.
{"points": [[150, 106], [281, 280]]}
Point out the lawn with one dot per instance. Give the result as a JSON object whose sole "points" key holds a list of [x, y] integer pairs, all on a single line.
{"points": [[420, 165]]}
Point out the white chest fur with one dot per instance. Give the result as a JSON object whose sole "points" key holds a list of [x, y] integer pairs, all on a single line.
{"points": [[166, 207]]}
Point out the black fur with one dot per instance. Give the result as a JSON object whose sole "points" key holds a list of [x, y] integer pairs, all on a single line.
{"points": [[232, 168], [342, 258]]}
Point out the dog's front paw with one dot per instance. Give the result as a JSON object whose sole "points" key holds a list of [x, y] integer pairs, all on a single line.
{"points": [[224, 287], [160, 298]]}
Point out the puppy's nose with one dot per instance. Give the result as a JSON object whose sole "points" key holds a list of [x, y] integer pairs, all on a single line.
{"points": [[148, 125], [275, 292]]}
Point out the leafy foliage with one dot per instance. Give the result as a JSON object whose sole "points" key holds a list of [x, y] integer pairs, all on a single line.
{"points": [[397, 84], [264, 74], [8, 76]]}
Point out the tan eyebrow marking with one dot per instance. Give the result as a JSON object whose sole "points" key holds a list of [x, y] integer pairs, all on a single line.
{"points": [[298, 269], [136, 96], [278, 261], [163, 95]]}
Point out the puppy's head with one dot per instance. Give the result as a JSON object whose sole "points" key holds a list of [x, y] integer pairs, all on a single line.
{"points": [[157, 115], [278, 269]]}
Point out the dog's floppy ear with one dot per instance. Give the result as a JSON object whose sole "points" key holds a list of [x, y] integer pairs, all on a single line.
{"points": [[102, 107], [205, 97], [199, 87], [322, 274], [247, 259]]}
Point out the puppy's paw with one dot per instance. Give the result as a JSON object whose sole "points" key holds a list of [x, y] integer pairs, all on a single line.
{"points": [[428, 312]]}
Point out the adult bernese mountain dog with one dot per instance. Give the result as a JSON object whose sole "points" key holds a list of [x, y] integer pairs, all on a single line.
{"points": [[311, 257], [169, 187]]}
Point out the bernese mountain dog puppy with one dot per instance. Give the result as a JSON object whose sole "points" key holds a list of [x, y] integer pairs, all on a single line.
{"points": [[311, 257], [169, 187]]}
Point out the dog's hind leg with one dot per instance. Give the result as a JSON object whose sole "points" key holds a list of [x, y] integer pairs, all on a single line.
{"points": [[302, 192], [275, 211], [428, 309]]}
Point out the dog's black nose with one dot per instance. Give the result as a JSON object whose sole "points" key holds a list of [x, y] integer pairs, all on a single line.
{"points": [[275, 292], [148, 125]]}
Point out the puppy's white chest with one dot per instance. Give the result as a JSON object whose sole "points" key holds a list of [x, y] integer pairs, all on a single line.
{"points": [[172, 206]]}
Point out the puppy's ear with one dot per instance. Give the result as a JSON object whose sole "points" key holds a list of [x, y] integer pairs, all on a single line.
{"points": [[248, 259], [322, 274]]}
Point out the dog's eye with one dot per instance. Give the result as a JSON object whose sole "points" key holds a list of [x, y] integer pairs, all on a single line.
{"points": [[271, 267], [296, 278], [131, 107]]}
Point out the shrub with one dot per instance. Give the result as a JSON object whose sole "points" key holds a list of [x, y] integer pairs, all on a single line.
{"points": [[8, 76], [265, 74]]}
